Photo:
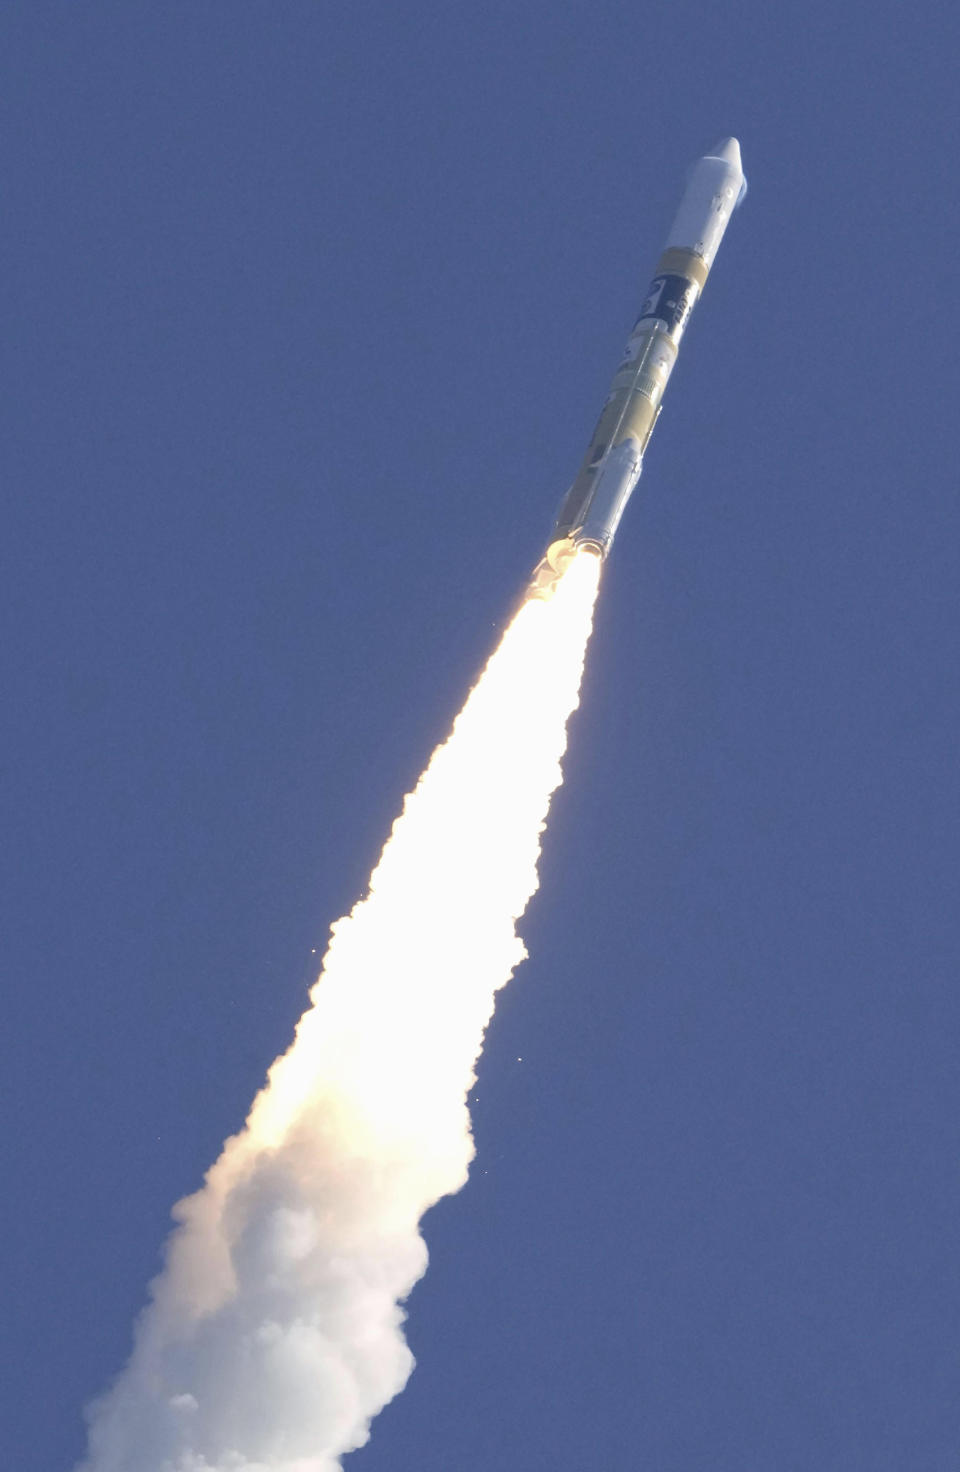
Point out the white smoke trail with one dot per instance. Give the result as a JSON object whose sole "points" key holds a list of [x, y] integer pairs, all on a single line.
{"points": [[274, 1332]]}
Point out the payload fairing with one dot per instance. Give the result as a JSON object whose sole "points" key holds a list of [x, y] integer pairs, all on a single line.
{"points": [[591, 509]]}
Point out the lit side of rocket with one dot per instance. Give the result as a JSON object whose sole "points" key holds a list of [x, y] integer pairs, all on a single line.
{"points": [[591, 509]]}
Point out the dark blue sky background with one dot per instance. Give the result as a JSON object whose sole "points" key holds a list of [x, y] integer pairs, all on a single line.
{"points": [[309, 310]]}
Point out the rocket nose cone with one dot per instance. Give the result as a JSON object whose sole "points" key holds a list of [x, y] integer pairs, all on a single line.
{"points": [[729, 150]]}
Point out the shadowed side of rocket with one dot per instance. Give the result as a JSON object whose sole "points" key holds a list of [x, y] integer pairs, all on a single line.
{"points": [[592, 507]]}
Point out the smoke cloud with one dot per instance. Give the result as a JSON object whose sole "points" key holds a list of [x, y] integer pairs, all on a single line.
{"points": [[274, 1332]]}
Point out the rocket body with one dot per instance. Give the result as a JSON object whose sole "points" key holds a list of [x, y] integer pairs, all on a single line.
{"points": [[592, 508]]}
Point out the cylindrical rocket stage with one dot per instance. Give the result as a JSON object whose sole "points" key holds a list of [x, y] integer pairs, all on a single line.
{"points": [[591, 510]]}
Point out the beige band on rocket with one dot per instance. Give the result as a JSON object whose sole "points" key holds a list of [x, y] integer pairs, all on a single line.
{"points": [[679, 262]]}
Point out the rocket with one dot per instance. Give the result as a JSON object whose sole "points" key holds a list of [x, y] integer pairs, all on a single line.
{"points": [[592, 508]]}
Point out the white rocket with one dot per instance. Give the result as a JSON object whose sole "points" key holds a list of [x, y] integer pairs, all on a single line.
{"points": [[592, 507]]}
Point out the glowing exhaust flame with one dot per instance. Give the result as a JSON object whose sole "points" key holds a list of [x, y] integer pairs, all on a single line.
{"points": [[274, 1334]]}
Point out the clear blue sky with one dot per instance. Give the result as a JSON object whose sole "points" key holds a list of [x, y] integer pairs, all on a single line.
{"points": [[308, 313]]}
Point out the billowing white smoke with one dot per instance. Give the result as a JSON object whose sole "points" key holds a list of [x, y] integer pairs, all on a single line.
{"points": [[274, 1334]]}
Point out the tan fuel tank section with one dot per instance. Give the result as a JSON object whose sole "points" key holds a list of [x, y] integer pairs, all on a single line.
{"points": [[636, 393]]}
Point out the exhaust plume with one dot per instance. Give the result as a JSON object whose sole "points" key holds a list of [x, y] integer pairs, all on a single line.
{"points": [[274, 1333]]}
